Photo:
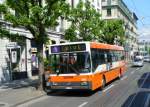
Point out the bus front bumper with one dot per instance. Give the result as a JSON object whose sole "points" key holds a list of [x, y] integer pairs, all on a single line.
{"points": [[69, 85]]}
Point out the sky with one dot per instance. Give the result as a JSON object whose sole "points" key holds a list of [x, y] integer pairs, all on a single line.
{"points": [[142, 10]]}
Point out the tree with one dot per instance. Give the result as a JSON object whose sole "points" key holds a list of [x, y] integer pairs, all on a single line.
{"points": [[113, 32], [85, 23], [36, 17]]}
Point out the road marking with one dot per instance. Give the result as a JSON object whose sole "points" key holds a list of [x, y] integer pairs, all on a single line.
{"points": [[136, 69], [108, 88], [123, 78], [147, 102], [132, 72], [83, 104]]}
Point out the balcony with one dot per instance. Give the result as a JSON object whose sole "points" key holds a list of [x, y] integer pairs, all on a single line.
{"points": [[125, 9], [121, 5], [109, 3]]}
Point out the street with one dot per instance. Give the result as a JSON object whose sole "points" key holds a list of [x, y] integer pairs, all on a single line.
{"points": [[132, 90]]}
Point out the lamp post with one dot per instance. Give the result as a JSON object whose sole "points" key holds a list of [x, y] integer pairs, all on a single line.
{"points": [[144, 45]]}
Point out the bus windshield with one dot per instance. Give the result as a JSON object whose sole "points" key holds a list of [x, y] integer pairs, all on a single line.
{"points": [[65, 63]]}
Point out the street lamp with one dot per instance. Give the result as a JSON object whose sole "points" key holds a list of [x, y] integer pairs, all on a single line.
{"points": [[144, 45]]}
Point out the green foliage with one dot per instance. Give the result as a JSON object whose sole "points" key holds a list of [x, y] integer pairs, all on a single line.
{"points": [[70, 34], [85, 23], [35, 16], [113, 29], [3, 9]]}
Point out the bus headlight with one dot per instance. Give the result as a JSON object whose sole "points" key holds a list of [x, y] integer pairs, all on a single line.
{"points": [[84, 83]]}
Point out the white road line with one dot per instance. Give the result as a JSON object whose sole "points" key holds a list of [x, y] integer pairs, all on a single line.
{"points": [[147, 102], [132, 72], [137, 69], [83, 104], [123, 78], [108, 88]]}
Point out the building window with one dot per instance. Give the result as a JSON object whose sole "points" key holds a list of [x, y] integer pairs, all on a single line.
{"points": [[109, 12], [132, 29], [103, 0], [98, 4], [61, 24], [16, 13], [53, 42], [72, 3]]}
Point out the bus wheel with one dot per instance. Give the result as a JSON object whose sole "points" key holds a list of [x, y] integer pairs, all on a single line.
{"points": [[103, 83], [120, 75]]}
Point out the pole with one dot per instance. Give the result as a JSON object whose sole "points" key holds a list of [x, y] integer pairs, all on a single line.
{"points": [[10, 65]]}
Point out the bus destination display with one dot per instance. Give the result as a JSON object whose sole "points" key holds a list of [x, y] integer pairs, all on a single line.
{"points": [[68, 48]]}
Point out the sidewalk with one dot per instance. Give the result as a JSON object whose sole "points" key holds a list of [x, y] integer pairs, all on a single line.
{"points": [[18, 92], [18, 84]]}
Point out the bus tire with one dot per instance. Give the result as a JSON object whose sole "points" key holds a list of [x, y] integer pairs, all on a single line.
{"points": [[120, 74], [103, 83]]}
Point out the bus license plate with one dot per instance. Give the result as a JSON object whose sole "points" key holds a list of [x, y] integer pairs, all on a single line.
{"points": [[68, 87]]}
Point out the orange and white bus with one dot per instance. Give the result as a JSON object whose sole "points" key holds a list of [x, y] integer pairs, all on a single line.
{"points": [[84, 65]]}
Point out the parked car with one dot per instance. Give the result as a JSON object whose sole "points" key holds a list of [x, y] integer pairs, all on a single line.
{"points": [[146, 58], [138, 61]]}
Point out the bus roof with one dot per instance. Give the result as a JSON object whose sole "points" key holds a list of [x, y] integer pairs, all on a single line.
{"points": [[94, 45], [105, 46]]}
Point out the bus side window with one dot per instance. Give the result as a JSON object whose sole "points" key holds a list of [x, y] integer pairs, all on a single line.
{"points": [[109, 56], [94, 58], [105, 55], [101, 57], [122, 55]]}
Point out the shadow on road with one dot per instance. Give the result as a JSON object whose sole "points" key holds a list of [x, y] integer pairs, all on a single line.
{"points": [[144, 81], [72, 93], [140, 99]]}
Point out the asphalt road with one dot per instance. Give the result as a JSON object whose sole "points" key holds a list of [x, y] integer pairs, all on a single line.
{"points": [[133, 90]]}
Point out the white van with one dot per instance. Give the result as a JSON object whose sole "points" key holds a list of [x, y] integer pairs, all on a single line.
{"points": [[138, 61]]}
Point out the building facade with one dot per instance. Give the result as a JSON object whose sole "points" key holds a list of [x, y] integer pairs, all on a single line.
{"points": [[22, 68], [24, 64], [144, 46], [117, 9]]}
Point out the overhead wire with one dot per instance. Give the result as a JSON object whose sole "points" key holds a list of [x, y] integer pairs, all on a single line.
{"points": [[144, 15]]}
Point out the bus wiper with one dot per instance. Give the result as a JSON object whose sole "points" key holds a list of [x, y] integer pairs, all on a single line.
{"points": [[74, 69], [61, 68]]}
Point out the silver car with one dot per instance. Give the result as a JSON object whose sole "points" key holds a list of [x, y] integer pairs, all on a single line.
{"points": [[138, 61], [147, 59]]}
